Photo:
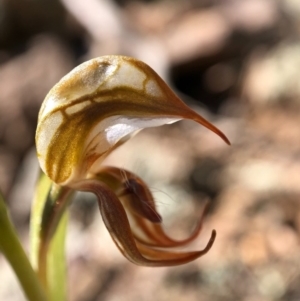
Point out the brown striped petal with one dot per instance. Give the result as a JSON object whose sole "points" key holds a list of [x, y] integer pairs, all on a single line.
{"points": [[98, 106]]}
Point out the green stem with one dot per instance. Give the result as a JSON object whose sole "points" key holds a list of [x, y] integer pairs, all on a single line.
{"points": [[14, 253], [55, 206], [48, 232]]}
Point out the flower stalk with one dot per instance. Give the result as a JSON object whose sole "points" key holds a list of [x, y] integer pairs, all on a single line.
{"points": [[48, 231]]}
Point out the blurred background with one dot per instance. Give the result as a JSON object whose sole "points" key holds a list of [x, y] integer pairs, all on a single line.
{"points": [[236, 62]]}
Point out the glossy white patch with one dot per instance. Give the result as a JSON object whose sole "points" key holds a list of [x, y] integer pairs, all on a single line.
{"points": [[123, 126], [111, 130]]}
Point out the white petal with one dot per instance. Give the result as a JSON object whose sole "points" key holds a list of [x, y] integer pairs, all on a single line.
{"points": [[123, 126], [116, 128]]}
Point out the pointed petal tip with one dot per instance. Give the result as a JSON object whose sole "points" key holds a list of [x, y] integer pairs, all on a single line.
{"points": [[158, 257], [223, 136], [211, 241], [199, 119]]}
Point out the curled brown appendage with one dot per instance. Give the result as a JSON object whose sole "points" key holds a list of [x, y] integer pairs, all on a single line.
{"points": [[116, 221], [139, 243], [155, 236], [139, 204], [184, 256], [132, 190]]}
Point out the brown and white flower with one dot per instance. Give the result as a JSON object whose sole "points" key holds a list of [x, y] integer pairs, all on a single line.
{"points": [[91, 111]]}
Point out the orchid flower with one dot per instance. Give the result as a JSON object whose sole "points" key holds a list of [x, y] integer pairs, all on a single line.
{"points": [[90, 112]]}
